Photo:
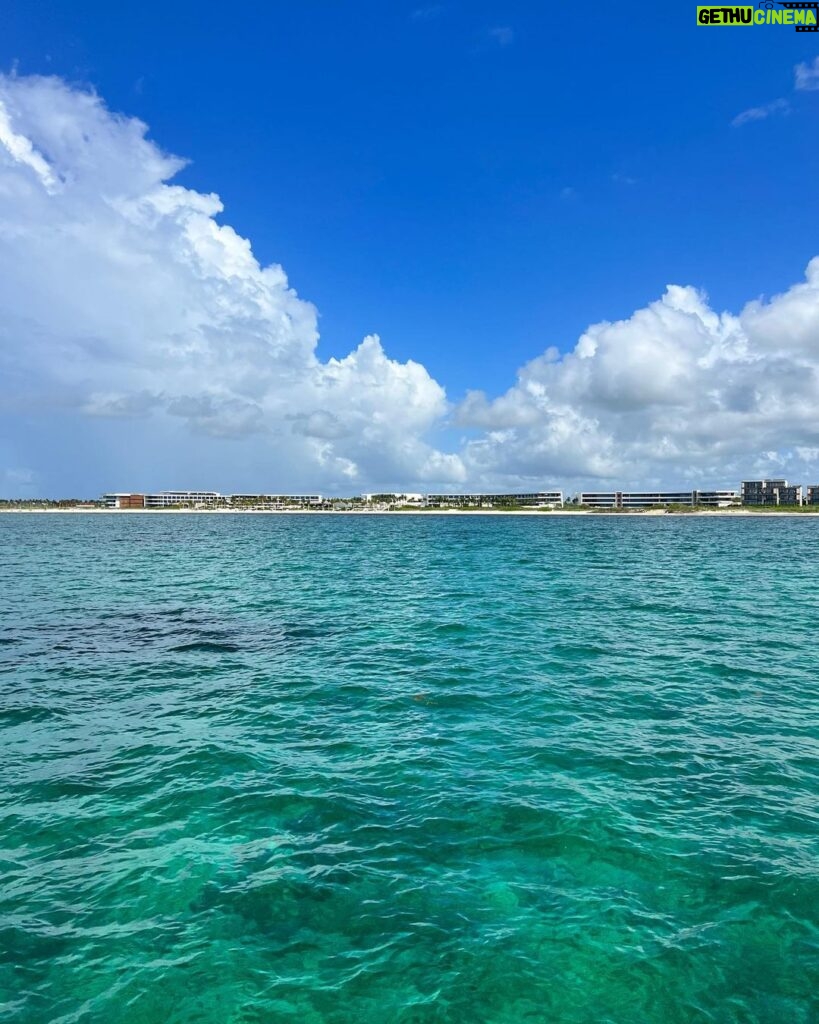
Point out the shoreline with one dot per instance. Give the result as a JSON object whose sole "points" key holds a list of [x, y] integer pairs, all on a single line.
{"points": [[601, 513]]}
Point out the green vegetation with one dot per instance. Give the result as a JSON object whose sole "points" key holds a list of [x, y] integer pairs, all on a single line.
{"points": [[782, 508], [35, 503]]}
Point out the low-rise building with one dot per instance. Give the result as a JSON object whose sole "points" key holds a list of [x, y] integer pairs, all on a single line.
{"points": [[532, 499], [123, 499], [717, 499], [599, 499], [275, 501], [648, 499], [171, 499], [389, 498], [651, 499], [771, 492], [211, 499]]}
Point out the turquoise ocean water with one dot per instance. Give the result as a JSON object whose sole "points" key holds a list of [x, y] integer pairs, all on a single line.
{"points": [[411, 769]]}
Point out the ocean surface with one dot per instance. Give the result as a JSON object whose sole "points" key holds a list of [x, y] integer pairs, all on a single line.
{"points": [[364, 770]]}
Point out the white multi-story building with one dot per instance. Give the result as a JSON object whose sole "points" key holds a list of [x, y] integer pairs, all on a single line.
{"points": [[169, 499], [716, 499], [599, 499], [388, 498], [532, 499], [275, 501], [650, 499]]}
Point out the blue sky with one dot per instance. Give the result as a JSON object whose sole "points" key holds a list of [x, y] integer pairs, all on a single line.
{"points": [[472, 182]]}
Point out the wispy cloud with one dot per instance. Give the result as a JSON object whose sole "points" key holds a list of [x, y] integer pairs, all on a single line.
{"points": [[761, 113], [502, 35], [805, 79], [20, 477], [806, 76], [428, 12], [623, 179]]}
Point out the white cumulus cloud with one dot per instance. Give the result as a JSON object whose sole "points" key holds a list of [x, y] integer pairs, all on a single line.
{"points": [[675, 393], [122, 296], [142, 344]]}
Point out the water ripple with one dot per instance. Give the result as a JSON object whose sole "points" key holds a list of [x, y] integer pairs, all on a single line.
{"points": [[419, 769]]}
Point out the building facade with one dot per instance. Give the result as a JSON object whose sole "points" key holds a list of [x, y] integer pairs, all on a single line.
{"points": [[771, 492], [600, 499], [187, 499], [717, 499], [122, 499], [398, 498], [532, 499], [274, 501], [211, 499], [648, 499], [652, 499]]}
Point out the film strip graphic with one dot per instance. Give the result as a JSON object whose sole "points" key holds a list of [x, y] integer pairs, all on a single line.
{"points": [[795, 6]]}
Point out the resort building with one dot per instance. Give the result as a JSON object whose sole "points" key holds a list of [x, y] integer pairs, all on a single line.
{"points": [[599, 499], [753, 492], [650, 499], [121, 499], [647, 499], [212, 499], [534, 499], [171, 499], [717, 499], [274, 501], [771, 492], [403, 498]]}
